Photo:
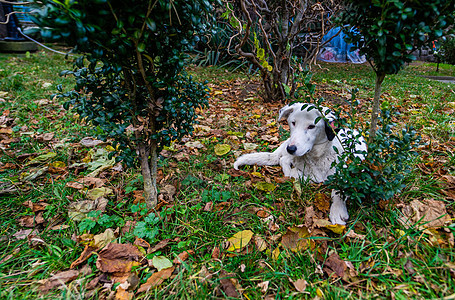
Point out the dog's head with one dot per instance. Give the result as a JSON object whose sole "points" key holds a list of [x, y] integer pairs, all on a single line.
{"points": [[305, 131]]}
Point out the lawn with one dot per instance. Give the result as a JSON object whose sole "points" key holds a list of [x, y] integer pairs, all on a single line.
{"points": [[73, 225]]}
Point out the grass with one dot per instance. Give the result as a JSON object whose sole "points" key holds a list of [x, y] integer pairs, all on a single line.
{"points": [[388, 261]]}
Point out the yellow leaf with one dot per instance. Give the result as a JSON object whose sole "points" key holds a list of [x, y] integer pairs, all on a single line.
{"points": [[110, 148], [257, 174], [337, 228], [276, 253], [240, 240], [217, 93], [256, 116], [265, 186], [58, 164], [222, 149]]}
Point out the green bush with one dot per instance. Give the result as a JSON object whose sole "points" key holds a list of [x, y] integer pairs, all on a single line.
{"points": [[447, 51]]}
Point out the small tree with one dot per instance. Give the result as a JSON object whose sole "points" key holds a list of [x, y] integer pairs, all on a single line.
{"points": [[130, 80], [390, 30], [268, 32]]}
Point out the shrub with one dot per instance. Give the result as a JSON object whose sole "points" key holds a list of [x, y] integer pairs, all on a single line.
{"points": [[447, 51]]}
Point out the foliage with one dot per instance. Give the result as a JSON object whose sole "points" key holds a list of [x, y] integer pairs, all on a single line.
{"points": [[447, 51], [148, 228], [389, 30], [96, 222], [381, 174], [265, 33], [134, 88]]}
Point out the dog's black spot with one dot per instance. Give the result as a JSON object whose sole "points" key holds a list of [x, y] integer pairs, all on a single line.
{"points": [[292, 165]]}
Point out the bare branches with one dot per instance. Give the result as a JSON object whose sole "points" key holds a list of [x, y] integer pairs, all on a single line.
{"points": [[268, 32]]}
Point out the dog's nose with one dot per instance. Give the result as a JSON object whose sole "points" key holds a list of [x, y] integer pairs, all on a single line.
{"points": [[291, 149]]}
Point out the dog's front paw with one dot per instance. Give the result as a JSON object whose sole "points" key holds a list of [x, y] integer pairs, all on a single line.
{"points": [[338, 213]]}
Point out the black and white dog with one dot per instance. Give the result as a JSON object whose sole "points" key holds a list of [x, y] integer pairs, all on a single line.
{"points": [[308, 153]]}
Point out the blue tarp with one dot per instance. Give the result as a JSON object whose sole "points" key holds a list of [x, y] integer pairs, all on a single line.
{"points": [[337, 50]]}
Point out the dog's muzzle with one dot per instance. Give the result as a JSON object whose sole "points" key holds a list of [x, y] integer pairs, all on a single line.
{"points": [[291, 149]]}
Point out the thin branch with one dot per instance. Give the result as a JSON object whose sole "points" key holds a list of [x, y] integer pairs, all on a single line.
{"points": [[10, 14]]}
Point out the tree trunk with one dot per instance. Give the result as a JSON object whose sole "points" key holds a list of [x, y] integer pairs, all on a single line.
{"points": [[376, 102], [148, 169]]}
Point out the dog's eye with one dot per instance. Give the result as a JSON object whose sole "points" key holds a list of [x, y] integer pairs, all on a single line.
{"points": [[293, 123], [311, 127]]}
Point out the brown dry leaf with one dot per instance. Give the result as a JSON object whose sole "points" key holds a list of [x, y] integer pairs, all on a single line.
{"points": [[300, 284], [429, 213], [35, 206], [221, 206], [118, 258], [353, 235], [295, 238], [334, 264], [122, 294], [208, 206], [260, 243], [31, 221], [160, 245], [24, 233], [216, 253], [57, 280], [156, 279], [264, 286], [322, 202], [183, 256], [141, 243], [90, 142], [227, 285], [45, 137], [262, 214], [310, 215], [93, 182], [88, 251]]}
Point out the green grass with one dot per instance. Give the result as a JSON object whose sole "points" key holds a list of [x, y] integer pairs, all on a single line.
{"points": [[390, 260]]}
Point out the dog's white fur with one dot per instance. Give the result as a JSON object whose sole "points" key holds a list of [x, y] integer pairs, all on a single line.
{"points": [[308, 153]]}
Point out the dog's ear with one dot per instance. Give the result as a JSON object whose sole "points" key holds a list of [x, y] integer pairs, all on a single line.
{"points": [[329, 131], [285, 112]]}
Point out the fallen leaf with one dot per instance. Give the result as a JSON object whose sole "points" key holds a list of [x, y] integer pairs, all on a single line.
{"points": [[296, 238], [195, 144], [322, 202], [161, 244], [222, 149], [57, 280], [24, 233], [102, 239], [265, 186], [156, 279], [41, 158], [264, 286], [90, 142], [300, 285], [227, 285], [276, 253], [240, 240], [216, 253], [183, 256], [88, 251], [260, 243], [249, 146], [96, 193], [123, 294], [118, 258], [429, 213], [161, 262]]}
